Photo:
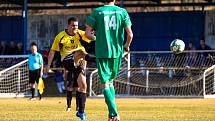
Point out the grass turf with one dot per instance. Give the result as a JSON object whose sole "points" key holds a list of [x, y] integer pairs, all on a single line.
{"points": [[130, 109]]}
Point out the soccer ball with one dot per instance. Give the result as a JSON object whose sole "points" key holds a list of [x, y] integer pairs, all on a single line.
{"points": [[177, 46]]}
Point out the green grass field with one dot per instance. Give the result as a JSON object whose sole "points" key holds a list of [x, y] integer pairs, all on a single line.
{"points": [[132, 109]]}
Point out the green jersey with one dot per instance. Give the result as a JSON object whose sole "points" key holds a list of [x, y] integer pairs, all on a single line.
{"points": [[109, 21]]}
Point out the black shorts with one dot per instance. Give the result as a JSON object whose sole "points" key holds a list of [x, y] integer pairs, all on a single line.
{"points": [[34, 76], [73, 72]]}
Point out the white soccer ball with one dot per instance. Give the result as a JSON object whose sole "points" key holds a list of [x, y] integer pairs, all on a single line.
{"points": [[177, 46]]}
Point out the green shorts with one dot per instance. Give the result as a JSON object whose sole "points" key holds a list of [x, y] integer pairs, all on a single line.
{"points": [[108, 68]]}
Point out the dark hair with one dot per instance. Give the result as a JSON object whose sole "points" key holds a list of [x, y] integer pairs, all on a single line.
{"points": [[107, 1], [33, 44], [72, 19], [191, 41], [202, 38]]}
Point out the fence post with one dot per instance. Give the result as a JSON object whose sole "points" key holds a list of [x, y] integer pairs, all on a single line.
{"points": [[214, 83], [128, 72], [91, 83], [147, 81], [19, 80], [204, 94]]}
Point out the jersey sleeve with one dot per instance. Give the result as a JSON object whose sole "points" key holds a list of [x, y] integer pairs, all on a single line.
{"points": [[55, 45], [82, 33], [126, 19], [91, 20]]}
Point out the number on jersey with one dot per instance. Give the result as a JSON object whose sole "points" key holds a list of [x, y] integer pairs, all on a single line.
{"points": [[110, 22]]}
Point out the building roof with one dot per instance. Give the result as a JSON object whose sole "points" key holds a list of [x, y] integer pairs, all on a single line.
{"points": [[80, 4]]}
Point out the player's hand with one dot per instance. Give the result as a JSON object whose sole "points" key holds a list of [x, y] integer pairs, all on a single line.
{"points": [[79, 54], [41, 74], [93, 34], [126, 48]]}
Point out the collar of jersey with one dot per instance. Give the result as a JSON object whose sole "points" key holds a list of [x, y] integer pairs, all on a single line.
{"points": [[34, 54], [68, 33]]}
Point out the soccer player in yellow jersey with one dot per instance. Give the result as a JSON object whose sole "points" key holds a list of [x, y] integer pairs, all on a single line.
{"points": [[73, 56]]}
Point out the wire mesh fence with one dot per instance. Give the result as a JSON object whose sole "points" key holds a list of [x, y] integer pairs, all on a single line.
{"points": [[161, 73]]}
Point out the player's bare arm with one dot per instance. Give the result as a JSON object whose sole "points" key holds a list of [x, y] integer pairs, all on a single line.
{"points": [[50, 58], [129, 38], [41, 70]]}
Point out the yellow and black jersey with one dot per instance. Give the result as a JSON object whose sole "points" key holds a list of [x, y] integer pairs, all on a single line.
{"points": [[68, 44]]}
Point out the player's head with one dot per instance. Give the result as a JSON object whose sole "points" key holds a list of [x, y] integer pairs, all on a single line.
{"points": [[72, 25], [33, 48], [202, 41], [190, 45]]}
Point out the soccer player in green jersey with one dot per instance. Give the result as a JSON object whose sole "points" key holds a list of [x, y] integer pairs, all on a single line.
{"points": [[109, 22]]}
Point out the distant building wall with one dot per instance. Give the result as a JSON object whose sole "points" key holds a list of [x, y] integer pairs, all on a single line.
{"points": [[152, 30], [11, 28], [156, 30], [210, 28], [43, 28]]}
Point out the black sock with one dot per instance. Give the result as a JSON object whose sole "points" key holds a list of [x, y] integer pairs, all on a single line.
{"points": [[69, 98], [77, 102], [32, 92], [40, 96], [82, 101]]}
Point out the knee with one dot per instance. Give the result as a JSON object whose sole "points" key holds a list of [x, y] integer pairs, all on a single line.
{"points": [[102, 86], [110, 83]]}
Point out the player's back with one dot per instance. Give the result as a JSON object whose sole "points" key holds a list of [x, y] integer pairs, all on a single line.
{"points": [[109, 18], [110, 22]]}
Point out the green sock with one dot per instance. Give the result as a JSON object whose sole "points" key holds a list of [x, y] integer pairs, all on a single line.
{"points": [[109, 99], [109, 110], [112, 90]]}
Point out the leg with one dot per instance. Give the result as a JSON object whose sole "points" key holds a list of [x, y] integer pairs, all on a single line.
{"points": [[40, 95], [82, 89], [109, 100], [32, 90], [59, 87], [82, 92], [37, 81], [32, 80], [112, 89], [77, 99], [68, 64], [115, 70], [62, 87], [69, 90], [107, 71]]}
